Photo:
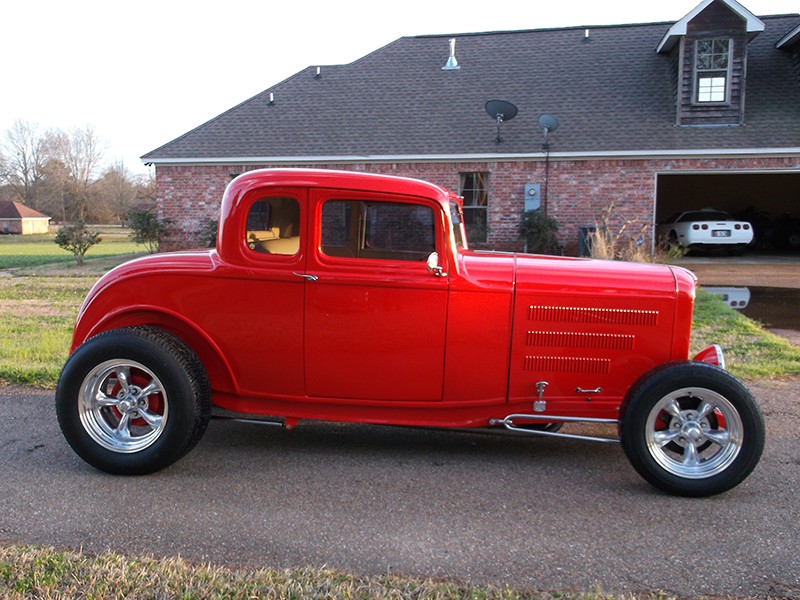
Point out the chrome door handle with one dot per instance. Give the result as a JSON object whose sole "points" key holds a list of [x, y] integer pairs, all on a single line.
{"points": [[309, 277]]}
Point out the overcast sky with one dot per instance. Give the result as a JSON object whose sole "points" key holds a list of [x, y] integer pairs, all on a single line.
{"points": [[143, 74]]}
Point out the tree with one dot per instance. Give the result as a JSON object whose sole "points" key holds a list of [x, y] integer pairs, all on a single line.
{"points": [[116, 193], [76, 238], [81, 152], [24, 152], [539, 232], [146, 228]]}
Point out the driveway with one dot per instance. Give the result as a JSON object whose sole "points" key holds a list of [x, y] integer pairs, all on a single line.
{"points": [[753, 270], [531, 512]]}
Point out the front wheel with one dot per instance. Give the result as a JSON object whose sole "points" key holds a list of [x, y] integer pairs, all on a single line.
{"points": [[132, 401], [692, 429]]}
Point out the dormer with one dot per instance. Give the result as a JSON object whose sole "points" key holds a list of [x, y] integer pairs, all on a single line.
{"points": [[791, 43], [708, 50]]}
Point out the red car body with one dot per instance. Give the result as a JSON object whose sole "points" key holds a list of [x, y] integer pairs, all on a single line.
{"points": [[337, 316]]}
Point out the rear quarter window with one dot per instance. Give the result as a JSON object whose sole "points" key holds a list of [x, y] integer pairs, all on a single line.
{"points": [[273, 226]]}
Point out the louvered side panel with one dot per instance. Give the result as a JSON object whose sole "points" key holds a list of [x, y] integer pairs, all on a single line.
{"points": [[611, 316], [565, 364], [597, 341]]}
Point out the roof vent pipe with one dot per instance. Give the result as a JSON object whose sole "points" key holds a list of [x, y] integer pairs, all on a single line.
{"points": [[586, 37], [452, 63]]}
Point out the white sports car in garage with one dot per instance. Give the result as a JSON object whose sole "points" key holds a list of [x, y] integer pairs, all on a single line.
{"points": [[706, 229]]}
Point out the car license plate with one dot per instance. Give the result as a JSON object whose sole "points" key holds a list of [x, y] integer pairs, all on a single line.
{"points": [[721, 233]]}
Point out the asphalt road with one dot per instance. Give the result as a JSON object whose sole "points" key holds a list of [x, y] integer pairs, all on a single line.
{"points": [[531, 512]]}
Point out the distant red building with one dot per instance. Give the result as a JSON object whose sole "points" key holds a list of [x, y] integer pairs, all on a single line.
{"points": [[18, 218]]}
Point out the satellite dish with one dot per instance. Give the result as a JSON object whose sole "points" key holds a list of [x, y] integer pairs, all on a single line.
{"points": [[547, 123], [500, 111]]}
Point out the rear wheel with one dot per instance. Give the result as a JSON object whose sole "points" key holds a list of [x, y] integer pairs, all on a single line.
{"points": [[133, 401], [692, 429]]}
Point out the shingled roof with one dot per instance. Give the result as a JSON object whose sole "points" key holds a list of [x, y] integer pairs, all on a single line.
{"points": [[612, 93], [15, 210]]}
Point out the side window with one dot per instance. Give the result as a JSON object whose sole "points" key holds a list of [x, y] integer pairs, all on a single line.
{"points": [[336, 223], [273, 226], [378, 230]]}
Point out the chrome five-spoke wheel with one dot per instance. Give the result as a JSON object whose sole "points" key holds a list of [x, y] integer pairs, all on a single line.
{"points": [[123, 406], [133, 400], [694, 433], [691, 428]]}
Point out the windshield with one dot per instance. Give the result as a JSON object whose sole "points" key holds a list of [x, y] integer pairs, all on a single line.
{"points": [[705, 215], [456, 218]]}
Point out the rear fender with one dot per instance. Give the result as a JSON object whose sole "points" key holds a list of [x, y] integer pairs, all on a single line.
{"points": [[219, 371]]}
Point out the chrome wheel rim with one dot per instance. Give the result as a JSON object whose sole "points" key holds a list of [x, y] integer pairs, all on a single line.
{"points": [[694, 433], [123, 406]]}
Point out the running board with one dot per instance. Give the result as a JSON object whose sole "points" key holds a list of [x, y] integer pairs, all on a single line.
{"points": [[253, 421], [508, 422]]}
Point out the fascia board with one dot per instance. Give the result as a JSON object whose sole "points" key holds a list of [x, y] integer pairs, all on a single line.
{"points": [[451, 158], [790, 38]]}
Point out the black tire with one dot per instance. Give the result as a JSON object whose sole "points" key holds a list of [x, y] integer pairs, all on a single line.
{"points": [[133, 401], [672, 240], [691, 429]]}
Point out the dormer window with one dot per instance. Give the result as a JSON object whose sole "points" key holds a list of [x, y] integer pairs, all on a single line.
{"points": [[712, 70]]}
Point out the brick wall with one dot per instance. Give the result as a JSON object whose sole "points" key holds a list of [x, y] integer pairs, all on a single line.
{"points": [[577, 192]]}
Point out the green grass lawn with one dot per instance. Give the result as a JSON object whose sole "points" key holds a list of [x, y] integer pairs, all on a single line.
{"points": [[750, 351], [27, 572], [34, 250], [36, 317]]}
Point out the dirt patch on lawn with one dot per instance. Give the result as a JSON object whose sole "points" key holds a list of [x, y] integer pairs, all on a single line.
{"points": [[32, 308]]}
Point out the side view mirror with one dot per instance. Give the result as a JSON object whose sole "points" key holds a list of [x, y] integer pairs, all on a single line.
{"points": [[433, 265]]}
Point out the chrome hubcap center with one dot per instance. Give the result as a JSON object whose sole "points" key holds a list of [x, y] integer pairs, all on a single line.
{"points": [[131, 402], [692, 431]]}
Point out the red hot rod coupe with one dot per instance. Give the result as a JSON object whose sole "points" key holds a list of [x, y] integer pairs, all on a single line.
{"points": [[354, 297]]}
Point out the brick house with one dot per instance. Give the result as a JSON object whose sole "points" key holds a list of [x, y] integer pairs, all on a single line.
{"points": [[18, 218], [657, 118]]}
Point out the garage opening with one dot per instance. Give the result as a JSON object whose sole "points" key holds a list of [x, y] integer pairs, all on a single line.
{"points": [[770, 201]]}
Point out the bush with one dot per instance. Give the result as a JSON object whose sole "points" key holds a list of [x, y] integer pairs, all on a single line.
{"points": [[539, 232], [146, 229], [207, 234], [76, 238]]}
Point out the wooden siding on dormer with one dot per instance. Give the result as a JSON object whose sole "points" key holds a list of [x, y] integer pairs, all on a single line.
{"points": [[796, 61], [716, 21]]}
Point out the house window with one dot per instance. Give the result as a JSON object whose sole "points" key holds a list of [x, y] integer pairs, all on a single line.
{"points": [[712, 70], [475, 190]]}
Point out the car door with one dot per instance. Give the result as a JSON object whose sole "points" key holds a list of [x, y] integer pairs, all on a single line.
{"points": [[375, 316], [260, 326]]}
